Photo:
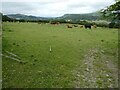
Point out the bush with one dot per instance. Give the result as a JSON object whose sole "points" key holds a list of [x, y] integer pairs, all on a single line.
{"points": [[114, 25], [101, 23]]}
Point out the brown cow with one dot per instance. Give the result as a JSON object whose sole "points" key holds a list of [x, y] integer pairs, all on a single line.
{"points": [[75, 25], [68, 26], [57, 23], [94, 26], [81, 26], [54, 23]]}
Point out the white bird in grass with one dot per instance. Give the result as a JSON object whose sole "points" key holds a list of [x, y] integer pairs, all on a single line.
{"points": [[50, 49]]}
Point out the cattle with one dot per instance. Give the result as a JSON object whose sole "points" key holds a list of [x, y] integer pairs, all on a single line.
{"points": [[54, 23], [81, 26], [75, 25], [68, 26], [94, 26], [57, 22], [87, 26]]}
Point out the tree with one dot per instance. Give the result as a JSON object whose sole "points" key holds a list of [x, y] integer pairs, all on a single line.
{"points": [[6, 18], [112, 13]]}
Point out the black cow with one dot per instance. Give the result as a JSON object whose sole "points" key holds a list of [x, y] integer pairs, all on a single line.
{"points": [[87, 26]]}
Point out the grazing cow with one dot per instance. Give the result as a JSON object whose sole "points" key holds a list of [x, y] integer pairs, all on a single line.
{"points": [[87, 26], [54, 23], [81, 26], [75, 25], [68, 26], [94, 26], [57, 23]]}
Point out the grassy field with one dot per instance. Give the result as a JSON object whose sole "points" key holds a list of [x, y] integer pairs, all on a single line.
{"points": [[0, 55], [78, 58]]}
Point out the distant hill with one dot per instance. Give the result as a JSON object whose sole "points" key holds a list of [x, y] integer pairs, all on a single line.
{"points": [[89, 16], [25, 17], [73, 17]]}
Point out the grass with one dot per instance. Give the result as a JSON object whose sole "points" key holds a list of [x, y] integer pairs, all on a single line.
{"points": [[65, 65], [0, 56]]}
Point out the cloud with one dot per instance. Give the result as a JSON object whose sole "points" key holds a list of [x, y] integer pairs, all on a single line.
{"points": [[53, 7]]}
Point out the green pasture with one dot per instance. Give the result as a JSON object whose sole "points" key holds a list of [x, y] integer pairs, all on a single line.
{"points": [[0, 55], [54, 56]]}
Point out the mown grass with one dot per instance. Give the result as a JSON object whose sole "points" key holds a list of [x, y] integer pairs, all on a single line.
{"points": [[60, 67]]}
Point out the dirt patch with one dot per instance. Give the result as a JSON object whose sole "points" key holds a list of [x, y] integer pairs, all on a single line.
{"points": [[97, 70]]}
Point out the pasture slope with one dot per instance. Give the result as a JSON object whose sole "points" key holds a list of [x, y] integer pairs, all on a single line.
{"points": [[79, 57]]}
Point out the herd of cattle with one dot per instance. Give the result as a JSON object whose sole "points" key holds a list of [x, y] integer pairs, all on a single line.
{"points": [[82, 26], [89, 26], [74, 25]]}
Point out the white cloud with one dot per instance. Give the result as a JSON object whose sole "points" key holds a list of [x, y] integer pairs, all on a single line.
{"points": [[53, 7]]}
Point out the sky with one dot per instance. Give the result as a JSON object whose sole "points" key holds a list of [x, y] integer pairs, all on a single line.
{"points": [[53, 8]]}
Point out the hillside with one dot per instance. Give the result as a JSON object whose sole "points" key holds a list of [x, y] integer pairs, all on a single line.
{"points": [[73, 17], [89, 16], [25, 17]]}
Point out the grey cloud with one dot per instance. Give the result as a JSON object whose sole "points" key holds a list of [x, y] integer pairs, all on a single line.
{"points": [[15, 5], [52, 7], [19, 7], [77, 5]]}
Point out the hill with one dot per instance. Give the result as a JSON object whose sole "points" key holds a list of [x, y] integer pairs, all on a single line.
{"points": [[89, 16], [25, 17], [73, 17]]}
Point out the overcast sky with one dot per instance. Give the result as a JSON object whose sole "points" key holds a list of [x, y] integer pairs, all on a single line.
{"points": [[53, 8]]}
